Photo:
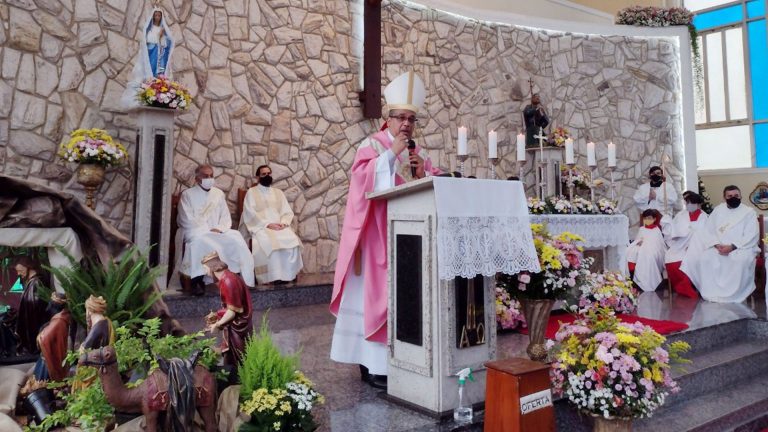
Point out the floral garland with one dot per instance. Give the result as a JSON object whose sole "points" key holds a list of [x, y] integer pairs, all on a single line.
{"points": [[649, 16], [558, 136], [607, 290], [92, 146], [163, 93], [614, 369], [508, 310]]}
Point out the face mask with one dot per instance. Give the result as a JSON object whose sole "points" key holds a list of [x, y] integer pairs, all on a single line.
{"points": [[733, 202], [648, 221], [207, 183], [656, 178], [265, 181], [691, 207]]}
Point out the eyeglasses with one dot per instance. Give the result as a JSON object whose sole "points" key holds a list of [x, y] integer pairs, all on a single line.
{"points": [[403, 118]]}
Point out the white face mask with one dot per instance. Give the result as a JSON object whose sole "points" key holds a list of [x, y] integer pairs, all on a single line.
{"points": [[207, 183], [691, 207]]}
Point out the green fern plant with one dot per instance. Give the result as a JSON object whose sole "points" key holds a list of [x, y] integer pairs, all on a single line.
{"points": [[263, 365], [126, 285]]}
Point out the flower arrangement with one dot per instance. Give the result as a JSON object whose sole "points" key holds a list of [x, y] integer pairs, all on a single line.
{"points": [[606, 206], [563, 267], [275, 395], [558, 205], [609, 290], [614, 369], [536, 206], [574, 177], [582, 206], [558, 136], [92, 146], [164, 93], [508, 310]]}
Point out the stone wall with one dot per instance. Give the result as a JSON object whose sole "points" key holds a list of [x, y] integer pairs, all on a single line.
{"points": [[275, 81]]}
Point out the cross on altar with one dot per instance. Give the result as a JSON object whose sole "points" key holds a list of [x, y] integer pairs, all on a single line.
{"points": [[541, 137]]}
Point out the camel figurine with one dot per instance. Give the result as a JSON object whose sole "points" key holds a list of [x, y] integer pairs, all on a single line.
{"points": [[154, 395]]}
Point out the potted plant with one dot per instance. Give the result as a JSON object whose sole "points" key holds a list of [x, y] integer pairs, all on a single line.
{"points": [[94, 150], [612, 370], [161, 92], [563, 267], [273, 392]]}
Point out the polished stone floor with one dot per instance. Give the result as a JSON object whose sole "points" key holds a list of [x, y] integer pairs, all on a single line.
{"points": [[354, 406]]}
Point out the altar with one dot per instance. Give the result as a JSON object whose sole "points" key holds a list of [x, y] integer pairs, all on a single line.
{"points": [[606, 235]]}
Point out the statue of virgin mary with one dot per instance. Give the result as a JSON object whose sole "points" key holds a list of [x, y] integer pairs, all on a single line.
{"points": [[157, 47]]}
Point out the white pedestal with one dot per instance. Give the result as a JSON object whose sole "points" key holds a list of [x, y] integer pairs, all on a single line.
{"points": [[546, 163], [154, 166]]}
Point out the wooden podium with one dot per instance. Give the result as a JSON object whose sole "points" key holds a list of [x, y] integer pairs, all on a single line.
{"points": [[518, 397], [438, 324]]}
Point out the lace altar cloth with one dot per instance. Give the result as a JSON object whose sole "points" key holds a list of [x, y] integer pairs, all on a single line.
{"points": [[599, 231], [482, 228]]}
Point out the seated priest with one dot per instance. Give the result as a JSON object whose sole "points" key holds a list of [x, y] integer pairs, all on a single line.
{"points": [[646, 254], [721, 258], [359, 299], [267, 220], [207, 226], [657, 194], [678, 234]]}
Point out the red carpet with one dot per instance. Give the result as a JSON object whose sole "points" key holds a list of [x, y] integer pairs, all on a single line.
{"points": [[662, 327]]}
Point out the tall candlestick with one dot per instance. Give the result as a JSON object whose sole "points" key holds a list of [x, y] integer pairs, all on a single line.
{"points": [[569, 158], [492, 144], [611, 155], [462, 147], [520, 148], [591, 158]]}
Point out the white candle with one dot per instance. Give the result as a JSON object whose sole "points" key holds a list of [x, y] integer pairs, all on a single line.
{"points": [[569, 158], [492, 144], [591, 159], [611, 155], [521, 147], [462, 148]]}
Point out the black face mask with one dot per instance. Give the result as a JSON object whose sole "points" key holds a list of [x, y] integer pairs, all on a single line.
{"points": [[733, 202], [655, 180], [265, 181]]}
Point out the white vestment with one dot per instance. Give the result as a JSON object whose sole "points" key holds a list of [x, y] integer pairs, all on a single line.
{"points": [[643, 203], [349, 344], [200, 211], [678, 234], [724, 278], [647, 252], [276, 253]]}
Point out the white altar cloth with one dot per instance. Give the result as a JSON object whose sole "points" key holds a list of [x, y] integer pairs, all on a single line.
{"points": [[609, 232], [482, 233]]}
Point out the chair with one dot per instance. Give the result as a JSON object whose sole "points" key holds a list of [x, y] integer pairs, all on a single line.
{"points": [[184, 280]]}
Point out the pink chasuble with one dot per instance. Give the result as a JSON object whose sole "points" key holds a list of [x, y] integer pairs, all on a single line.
{"points": [[365, 226]]}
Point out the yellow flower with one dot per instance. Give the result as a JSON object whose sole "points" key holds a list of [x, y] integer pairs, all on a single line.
{"points": [[277, 426], [627, 338], [537, 228]]}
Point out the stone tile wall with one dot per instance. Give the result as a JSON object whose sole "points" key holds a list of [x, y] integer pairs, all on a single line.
{"points": [[276, 81]]}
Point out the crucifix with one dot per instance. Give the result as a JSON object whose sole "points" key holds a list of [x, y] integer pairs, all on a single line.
{"points": [[542, 164]]}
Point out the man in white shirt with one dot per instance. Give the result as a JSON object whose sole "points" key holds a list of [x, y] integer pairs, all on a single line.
{"points": [[721, 261], [678, 234], [267, 220], [658, 194], [207, 226]]}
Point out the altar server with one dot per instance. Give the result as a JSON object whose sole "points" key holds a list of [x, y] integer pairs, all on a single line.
{"points": [[678, 234], [266, 219], [721, 260], [359, 298], [646, 254], [207, 224], [658, 194]]}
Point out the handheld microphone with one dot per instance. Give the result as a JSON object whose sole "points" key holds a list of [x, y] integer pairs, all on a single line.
{"points": [[411, 149]]}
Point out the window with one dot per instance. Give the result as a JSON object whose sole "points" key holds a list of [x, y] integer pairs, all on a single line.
{"points": [[732, 111]]}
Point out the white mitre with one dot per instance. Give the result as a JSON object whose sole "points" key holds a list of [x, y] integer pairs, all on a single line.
{"points": [[405, 92]]}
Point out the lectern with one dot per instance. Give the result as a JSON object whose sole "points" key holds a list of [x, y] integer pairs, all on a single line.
{"points": [[447, 238]]}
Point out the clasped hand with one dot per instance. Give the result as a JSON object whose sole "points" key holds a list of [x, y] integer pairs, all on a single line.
{"points": [[724, 249], [277, 226]]}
